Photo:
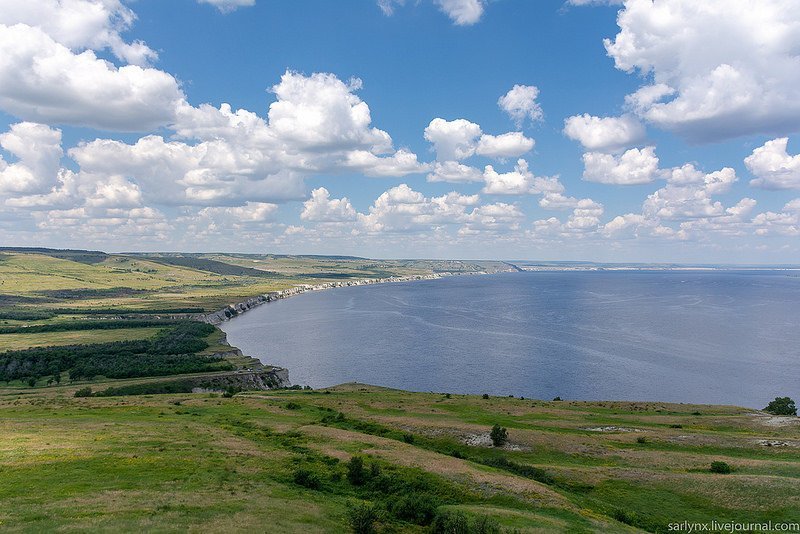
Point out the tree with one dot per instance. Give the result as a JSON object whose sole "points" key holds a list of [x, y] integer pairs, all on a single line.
{"points": [[781, 406], [499, 435], [356, 473]]}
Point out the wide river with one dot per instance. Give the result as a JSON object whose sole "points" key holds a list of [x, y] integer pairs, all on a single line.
{"points": [[723, 337]]}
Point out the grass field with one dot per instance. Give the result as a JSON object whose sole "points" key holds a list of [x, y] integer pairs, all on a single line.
{"points": [[202, 462]]}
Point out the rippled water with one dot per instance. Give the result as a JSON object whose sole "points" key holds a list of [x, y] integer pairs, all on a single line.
{"points": [[710, 337]]}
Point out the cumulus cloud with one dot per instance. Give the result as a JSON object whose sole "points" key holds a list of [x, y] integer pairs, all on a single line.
{"points": [[42, 80], [459, 139], [321, 208], [401, 209], [785, 223], [604, 134], [38, 151], [634, 166], [452, 140], [454, 172], [520, 181], [317, 125], [226, 6], [507, 145], [520, 104], [80, 25], [713, 70], [773, 167], [693, 200], [462, 12]]}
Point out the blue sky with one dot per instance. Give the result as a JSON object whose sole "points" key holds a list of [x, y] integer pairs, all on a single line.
{"points": [[327, 127]]}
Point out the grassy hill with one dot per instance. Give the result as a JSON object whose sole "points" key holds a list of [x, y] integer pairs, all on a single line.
{"points": [[279, 461]]}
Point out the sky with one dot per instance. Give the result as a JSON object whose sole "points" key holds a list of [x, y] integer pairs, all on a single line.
{"points": [[643, 130]]}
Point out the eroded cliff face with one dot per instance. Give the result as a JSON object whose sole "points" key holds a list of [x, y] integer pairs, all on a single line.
{"points": [[269, 378]]}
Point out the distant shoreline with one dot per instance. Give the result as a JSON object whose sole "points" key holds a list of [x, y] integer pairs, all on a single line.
{"points": [[232, 311]]}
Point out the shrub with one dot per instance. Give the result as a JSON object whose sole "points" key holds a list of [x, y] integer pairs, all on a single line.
{"points": [[84, 392], [457, 522], [292, 406], [356, 473], [721, 467], [483, 524], [485, 395], [556, 398], [419, 508], [642, 440], [408, 437], [362, 518], [307, 478], [451, 522], [499, 435], [781, 406]]}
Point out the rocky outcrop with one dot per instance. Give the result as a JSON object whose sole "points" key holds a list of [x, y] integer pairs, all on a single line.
{"points": [[270, 378]]}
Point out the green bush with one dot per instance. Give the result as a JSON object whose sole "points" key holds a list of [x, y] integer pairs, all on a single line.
{"points": [[499, 435], [84, 392], [721, 467], [307, 478], [456, 522], [362, 518], [451, 522], [485, 396], [782, 406], [419, 508], [292, 406], [356, 473], [642, 440]]}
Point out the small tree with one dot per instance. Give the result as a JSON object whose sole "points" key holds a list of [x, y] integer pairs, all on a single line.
{"points": [[356, 473], [781, 406], [84, 392], [499, 435]]}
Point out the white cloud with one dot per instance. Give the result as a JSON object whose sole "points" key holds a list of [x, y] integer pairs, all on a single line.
{"points": [[786, 222], [321, 111], [690, 201], [459, 139], [520, 181], [462, 12], [44, 81], [634, 166], [520, 104], [80, 25], [507, 145], [453, 140], [494, 218], [38, 150], [226, 6], [401, 209], [321, 208], [716, 69], [773, 167], [317, 125], [604, 133], [454, 172]]}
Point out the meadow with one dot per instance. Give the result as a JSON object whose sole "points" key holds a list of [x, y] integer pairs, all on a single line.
{"points": [[281, 461]]}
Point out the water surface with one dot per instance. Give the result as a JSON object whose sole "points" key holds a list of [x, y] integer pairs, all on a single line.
{"points": [[707, 337]]}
